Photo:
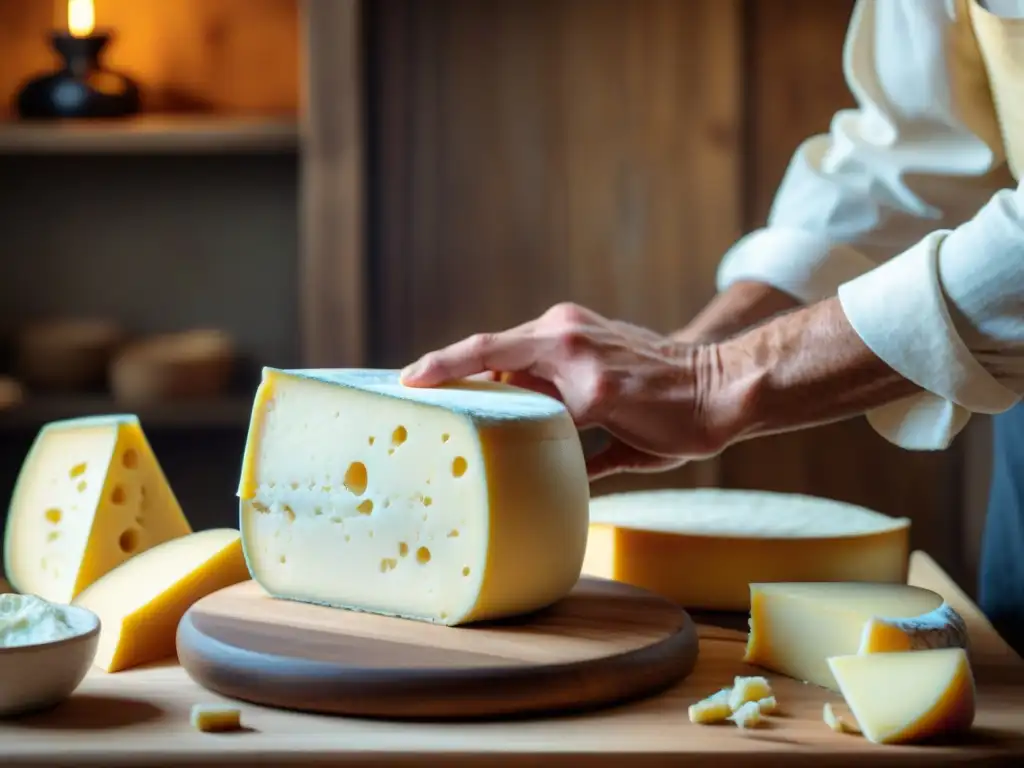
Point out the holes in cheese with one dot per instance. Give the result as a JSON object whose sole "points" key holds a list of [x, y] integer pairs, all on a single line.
{"points": [[501, 531], [795, 627], [703, 547], [76, 507], [142, 600], [902, 698]]}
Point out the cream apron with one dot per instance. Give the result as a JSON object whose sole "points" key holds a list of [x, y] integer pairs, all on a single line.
{"points": [[989, 69]]}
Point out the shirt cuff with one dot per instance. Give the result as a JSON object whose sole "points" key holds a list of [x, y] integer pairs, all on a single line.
{"points": [[806, 265], [898, 309]]}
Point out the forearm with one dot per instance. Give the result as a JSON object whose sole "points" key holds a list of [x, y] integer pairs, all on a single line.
{"points": [[805, 368], [735, 309]]}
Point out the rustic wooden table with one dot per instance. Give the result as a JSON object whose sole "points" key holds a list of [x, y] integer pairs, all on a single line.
{"points": [[141, 718]]}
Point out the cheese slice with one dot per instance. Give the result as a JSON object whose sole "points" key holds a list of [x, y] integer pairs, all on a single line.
{"points": [[90, 495], [141, 601], [703, 547], [795, 627], [447, 505], [908, 697]]}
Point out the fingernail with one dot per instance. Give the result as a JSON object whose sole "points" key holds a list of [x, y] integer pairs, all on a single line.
{"points": [[411, 371]]}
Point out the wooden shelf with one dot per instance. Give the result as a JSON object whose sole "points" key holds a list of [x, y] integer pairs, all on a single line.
{"points": [[151, 134], [34, 412]]}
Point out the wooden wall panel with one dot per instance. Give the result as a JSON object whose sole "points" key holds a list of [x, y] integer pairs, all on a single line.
{"points": [[795, 84], [528, 152], [188, 55]]}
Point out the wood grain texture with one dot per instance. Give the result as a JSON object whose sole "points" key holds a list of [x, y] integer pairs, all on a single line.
{"points": [[605, 643], [188, 56], [333, 256], [141, 718], [527, 152], [531, 152]]}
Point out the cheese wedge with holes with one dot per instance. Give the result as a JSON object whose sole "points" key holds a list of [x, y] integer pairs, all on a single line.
{"points": [[796, 627], [90, 495], [901, 698], [703, 547], [142, 600], [448, 505]]}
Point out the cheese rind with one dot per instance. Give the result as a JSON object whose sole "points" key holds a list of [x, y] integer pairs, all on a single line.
{"points": [[795, 627], [141, 601], [902, 698], [448, 505], [702, 547], [90, 495]]}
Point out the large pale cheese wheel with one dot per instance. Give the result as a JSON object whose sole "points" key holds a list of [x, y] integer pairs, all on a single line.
{"points": [[449, 505], [703, 547], [90, 495]]}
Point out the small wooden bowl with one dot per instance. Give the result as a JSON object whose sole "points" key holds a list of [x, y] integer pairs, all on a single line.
{"points": [[66, 354], [174, 366]]}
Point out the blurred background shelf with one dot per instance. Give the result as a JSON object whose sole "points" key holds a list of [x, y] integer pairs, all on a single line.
{"points": [[228, 412], [152, 134]]}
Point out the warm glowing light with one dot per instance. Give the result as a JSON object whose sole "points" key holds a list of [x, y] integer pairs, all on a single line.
{"points": [[81, 17]]}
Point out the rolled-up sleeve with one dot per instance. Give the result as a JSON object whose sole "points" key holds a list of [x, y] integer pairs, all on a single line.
{"points": [[875, 212], [948, 314]]}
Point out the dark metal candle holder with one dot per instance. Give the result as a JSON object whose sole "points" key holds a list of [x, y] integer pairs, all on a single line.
{"points": [[82, 87]]}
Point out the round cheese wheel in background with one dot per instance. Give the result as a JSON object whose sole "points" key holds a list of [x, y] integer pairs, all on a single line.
{"points": [[66, 354], [702, 548], [11, 392], [190, 364]]}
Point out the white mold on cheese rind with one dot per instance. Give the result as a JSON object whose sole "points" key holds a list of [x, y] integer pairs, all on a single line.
{"points": [[940, 628]]}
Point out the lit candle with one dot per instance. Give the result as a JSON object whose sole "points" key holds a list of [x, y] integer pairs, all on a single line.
{"points": [[81, 18]]}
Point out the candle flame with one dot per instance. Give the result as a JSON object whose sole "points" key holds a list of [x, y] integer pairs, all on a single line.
{"points": [[81, 17]]}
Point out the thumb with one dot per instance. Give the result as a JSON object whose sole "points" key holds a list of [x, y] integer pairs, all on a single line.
{"points": [[622, 457]]}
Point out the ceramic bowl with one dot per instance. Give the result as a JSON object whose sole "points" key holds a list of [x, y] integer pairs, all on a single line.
{"points": [[39, 676]]}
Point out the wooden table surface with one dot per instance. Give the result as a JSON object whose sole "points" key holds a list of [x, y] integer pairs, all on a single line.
{"points": [[141, 718]]}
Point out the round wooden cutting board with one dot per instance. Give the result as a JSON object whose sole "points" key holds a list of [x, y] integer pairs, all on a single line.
{"points": [[605, 643]]}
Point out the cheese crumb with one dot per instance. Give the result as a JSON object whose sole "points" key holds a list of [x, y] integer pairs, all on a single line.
{"points": [[713, 709], [836, 723], [748, 689], [747, 694], [747, 716], [213, 718], [767, 705]]}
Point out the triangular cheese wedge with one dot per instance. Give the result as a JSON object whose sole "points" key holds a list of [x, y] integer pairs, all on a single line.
{"points": [[904, 697], [90, 495]]}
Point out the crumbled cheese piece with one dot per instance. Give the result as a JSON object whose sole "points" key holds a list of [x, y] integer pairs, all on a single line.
{"points": [[835, 722], [212, 718], [747, 689], [747, 716], [767, 705], [714, 709]]}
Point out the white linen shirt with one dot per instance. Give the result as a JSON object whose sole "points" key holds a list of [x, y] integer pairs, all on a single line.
{"points": [[907, 212]]}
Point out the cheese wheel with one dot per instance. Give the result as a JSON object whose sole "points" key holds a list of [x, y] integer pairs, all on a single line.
{"points": [[67, 354], [173, 366], [449, 505], [703, 547]]}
